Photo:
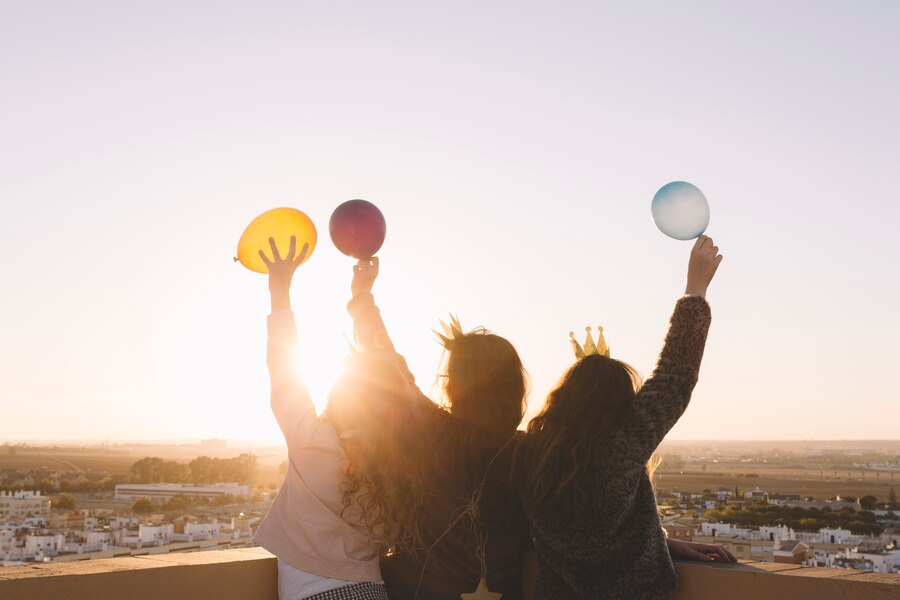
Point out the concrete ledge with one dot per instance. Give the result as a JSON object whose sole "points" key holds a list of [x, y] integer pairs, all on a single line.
{"points": [[770, 581], [252, 574], [242, 574]]}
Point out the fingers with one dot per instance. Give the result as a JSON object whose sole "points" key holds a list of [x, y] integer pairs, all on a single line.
{"points": [[717, 552], [366, 264], [265, 259], [275, 254], [303, 251], [701, 243], [292, 248], [725, 555], [693, 554]]}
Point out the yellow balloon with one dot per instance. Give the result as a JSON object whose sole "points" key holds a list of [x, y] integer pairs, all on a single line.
{"points": [[278, 223]]}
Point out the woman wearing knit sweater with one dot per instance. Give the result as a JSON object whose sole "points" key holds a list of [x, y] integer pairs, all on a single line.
{"points": [[585, 486], [343, 492]]}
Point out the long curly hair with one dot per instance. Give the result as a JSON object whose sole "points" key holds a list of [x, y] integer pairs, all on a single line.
{"points": [[567, 438], [371, 406]]}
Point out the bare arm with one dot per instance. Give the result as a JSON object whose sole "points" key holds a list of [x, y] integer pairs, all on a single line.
{"points": [[368, 326]]}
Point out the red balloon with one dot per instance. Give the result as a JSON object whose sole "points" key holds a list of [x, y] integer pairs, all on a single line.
{"points": [[357, 228]]}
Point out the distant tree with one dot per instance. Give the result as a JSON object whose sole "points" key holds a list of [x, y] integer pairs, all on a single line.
{"points": [[11, 450], [868, 502], [892, 498], [704, 467], [202, 470], [157, 470], [178, 502], [63, 502], [224, 500], [142, 506]]}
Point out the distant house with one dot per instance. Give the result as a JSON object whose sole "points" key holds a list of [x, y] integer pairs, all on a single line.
{"points": [[791, 552], [782, 499], [756, 495]]}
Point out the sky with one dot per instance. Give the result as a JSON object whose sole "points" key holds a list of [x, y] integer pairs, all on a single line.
{"points": [[514, 149]]}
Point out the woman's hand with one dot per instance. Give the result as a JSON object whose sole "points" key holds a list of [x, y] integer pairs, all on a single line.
{"points": [[704, 261], [281, 272], [364, 273], [696, 551]]}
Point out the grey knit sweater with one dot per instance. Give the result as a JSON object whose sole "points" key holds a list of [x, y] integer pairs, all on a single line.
{"points": [[619, 550]]}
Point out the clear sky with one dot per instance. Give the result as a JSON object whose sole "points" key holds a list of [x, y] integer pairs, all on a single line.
{"points": [[514, 148]]}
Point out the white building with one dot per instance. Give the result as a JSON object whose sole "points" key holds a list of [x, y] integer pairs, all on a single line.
{"points": [[166, 491], [724, 530], [23, 504], [44, 546], [149, 535], [199, 531], [756, 495], [780, 532], [837, 536]]}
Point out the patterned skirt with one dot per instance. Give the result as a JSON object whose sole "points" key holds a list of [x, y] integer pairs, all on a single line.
{"points": [[366, 590]]}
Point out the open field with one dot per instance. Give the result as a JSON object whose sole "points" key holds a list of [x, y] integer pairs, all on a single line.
{"points": [[118, 462], [115, 464], [819, 482]]}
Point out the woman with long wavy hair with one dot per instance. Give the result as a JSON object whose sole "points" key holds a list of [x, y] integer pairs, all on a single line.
{"points": [[582, 468], [470, 529], [350, 491]]}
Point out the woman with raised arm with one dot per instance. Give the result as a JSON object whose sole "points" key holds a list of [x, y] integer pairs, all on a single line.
{"points": [[346, 491], [582, 468], [471, 527]]}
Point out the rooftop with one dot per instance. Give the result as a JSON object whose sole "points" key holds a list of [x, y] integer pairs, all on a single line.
{"points": [[251, 574]]}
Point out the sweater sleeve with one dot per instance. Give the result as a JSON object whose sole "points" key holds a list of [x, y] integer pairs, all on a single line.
{"points": [[665, 395], [291, 402], [371, 332], [372, 336]]}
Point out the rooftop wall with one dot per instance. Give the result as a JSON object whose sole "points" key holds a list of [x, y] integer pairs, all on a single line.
{"points": [[251, 574]]}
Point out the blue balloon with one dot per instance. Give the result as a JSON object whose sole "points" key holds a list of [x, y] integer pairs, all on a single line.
{"points": [[680, 210]]}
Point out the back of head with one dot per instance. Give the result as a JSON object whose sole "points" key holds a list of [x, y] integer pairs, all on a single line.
{"points": [[568, 436], [485, 383]]}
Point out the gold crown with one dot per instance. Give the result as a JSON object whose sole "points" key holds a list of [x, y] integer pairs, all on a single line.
{"points": [[589, 346], [453, 333]]}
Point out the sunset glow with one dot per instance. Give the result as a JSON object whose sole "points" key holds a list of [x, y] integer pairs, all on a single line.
{"points": [[515, 174]]}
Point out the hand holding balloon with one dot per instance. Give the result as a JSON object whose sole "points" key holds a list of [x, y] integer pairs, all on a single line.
{"points": [[365, 271], [702, 266], [281, 272], [280, 225]]}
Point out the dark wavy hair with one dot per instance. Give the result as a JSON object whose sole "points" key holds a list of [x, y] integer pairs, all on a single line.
{"points": [[484, 382], [370, 406], [567, 438]]}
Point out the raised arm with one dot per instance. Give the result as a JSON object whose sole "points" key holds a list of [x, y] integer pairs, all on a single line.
{"points": [[368, 326], [665, 395], [290, 400]]}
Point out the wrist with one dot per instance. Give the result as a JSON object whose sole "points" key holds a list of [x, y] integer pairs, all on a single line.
{"points": [[695, 289]]}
